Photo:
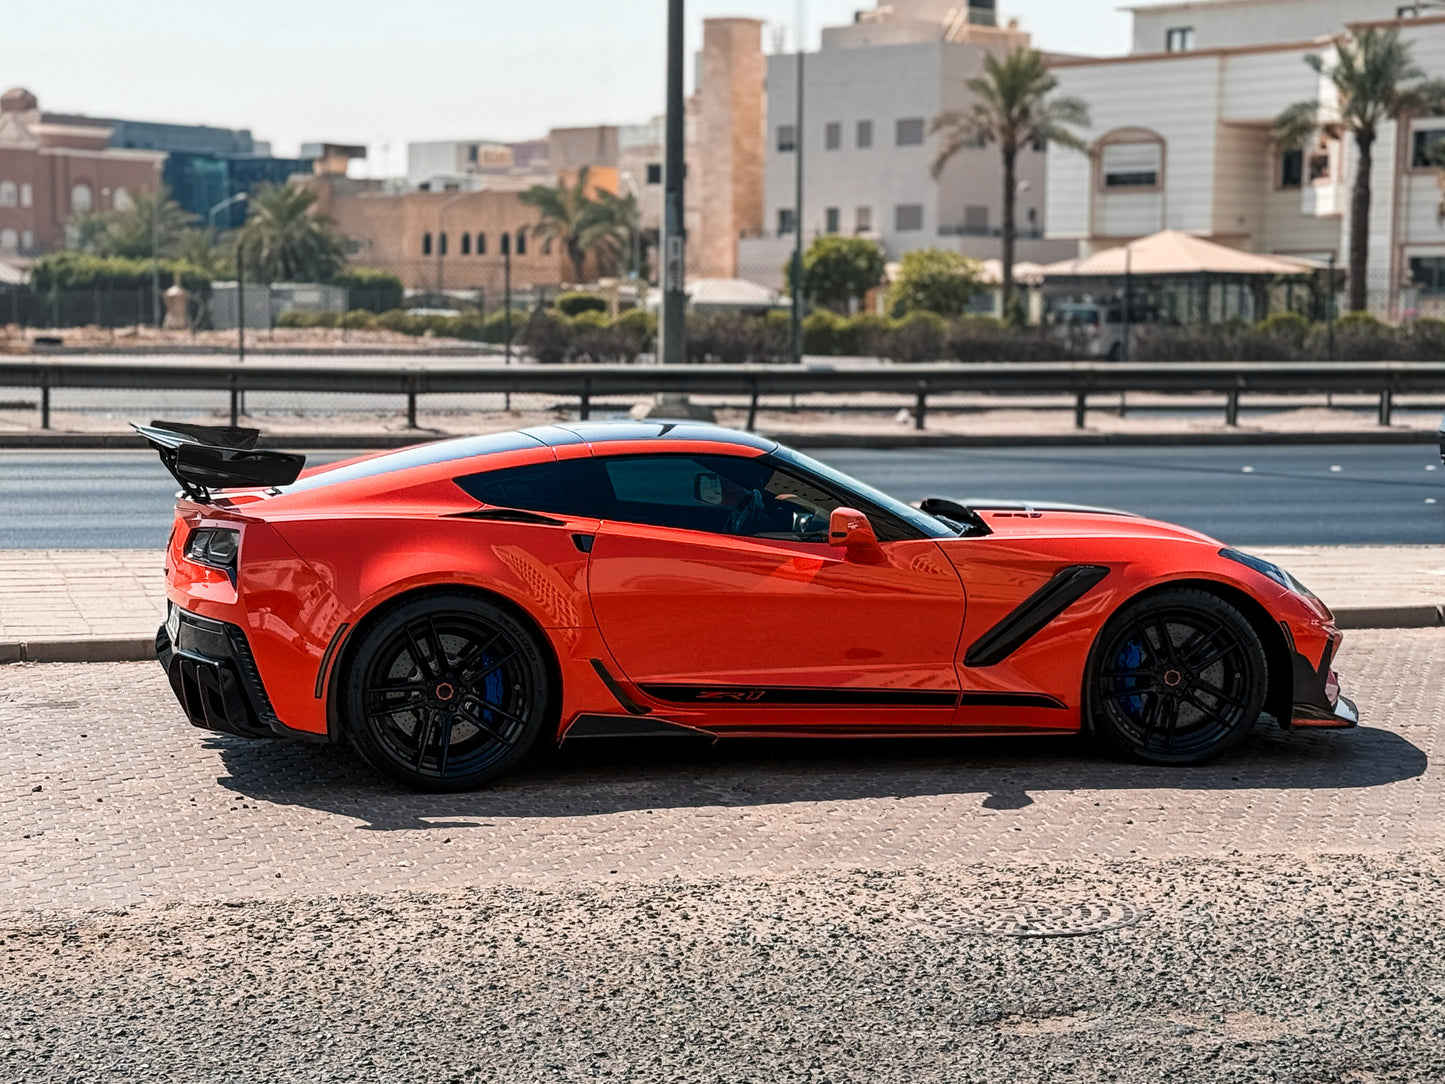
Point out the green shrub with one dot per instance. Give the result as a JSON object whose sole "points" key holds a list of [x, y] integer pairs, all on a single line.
{"points": [[1359, 321], [370, 288], [577, 302], [870, 334], [1286, 325], [728, 338], [636, 333], [825, 332], [395, 320], [308, 318], [547, 335], [359, 320], [918, 337], [494, 327], [933, 280], [69, 270]]}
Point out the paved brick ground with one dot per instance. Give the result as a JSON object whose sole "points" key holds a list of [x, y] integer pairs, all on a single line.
{"points": [[76, 594], [108, 797]]}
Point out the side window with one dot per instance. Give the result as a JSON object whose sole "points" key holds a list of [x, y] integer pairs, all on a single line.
{"points": [[721, 495], [568, 487]]}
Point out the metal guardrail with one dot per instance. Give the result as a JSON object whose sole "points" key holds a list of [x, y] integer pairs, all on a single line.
{"points": [[584, 382]]}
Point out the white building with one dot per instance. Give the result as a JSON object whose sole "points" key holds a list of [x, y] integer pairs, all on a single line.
{"points": [[870, 95], [1180, 139]]}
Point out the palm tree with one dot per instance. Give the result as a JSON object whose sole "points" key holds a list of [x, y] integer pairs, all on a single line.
{"points": [[612, 229], [581, 223], [1014, 110], [1376, 81], [283, 240], [151, 224]]}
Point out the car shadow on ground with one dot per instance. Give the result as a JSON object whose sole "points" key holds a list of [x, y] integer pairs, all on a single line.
{"points": [[612, 776]]}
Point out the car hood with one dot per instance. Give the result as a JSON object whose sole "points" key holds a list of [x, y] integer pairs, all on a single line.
{"points": [[1046, 519]]}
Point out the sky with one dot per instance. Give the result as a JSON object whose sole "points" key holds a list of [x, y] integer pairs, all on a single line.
{"points": [[383, 74]]}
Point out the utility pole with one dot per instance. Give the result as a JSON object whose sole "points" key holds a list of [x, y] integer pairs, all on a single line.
{"points": [[798, 142], [673, 326]]}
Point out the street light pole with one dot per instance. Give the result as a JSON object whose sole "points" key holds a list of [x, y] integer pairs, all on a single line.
{"points": [[156, 248], [798, 142], [239, 197], [673, 326]]}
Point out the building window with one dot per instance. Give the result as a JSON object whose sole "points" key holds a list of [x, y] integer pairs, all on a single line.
{"points": [[9, 240], [9, 194], [521, 242], [975, 218], [865, 134], [441, 244], [1320, 165], [787, 138], [909, 132], [1428, 148], [1291, 168], [466, 244], [1179, 39], [472, 154], [1040, 145], [864, 219], [1033, 219], [426, 244], [27, 240], [654, 172], [908, 217], [481, 244], [82, 199], [26, 195], [1131, 165], [121, 200], [1428, 273], [832, 136], [506, 243], [831, 220], [786, 221]]}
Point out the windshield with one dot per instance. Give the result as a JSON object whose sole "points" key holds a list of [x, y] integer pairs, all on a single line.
{"points": [[928, 526]]}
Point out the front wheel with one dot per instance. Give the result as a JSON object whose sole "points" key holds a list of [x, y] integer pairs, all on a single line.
{"points": [[446, 693], [1178, 677]]}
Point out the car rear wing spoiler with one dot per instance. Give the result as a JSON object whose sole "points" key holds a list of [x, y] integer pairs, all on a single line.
{"points": [[203, 458]]}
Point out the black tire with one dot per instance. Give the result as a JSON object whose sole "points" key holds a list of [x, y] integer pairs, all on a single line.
{"points": [[446, 692], [1177, 677]]}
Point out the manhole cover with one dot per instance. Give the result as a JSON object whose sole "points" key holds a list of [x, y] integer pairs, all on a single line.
{"points": [[1047, 919]]}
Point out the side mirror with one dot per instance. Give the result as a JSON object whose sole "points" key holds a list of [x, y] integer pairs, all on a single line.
{"points": [[849, 528]]}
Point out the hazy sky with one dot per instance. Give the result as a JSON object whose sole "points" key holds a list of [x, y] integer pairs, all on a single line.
{"points": [[385, 73]]}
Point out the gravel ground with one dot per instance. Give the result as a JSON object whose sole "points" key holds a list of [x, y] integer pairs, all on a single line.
{"points": [[1307, 971]]}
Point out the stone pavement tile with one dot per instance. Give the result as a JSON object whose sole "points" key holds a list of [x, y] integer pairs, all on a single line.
{"points": [[132, 803]]}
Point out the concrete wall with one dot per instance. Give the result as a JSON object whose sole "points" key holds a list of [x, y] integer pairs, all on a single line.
{"points": [[1231, 23]]}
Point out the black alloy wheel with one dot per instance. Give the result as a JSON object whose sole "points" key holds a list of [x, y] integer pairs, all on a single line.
{"points": [[446, 693], [1178, 677]]}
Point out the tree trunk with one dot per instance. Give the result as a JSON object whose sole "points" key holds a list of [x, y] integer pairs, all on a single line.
{"points": [[1010, 192], [1360, 224]]}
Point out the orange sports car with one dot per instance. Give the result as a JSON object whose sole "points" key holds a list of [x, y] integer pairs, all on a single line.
{"points": [[445, 607]]}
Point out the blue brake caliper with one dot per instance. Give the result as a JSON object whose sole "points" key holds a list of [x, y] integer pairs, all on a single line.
{"points": [[1130, 657]]}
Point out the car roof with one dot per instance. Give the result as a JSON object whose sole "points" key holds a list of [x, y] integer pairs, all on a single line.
{"points": [[603, 433]]}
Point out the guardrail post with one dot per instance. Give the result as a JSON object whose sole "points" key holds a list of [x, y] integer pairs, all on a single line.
{"points": [[235, 401], [411, 403], [45, 399], [1387, 405], [920, 408], [752, 412], [1081, 407], [1231, 408], [584, 404]]}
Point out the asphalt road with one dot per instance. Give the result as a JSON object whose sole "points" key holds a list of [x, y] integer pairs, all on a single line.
{"points": [[1286, 495]]}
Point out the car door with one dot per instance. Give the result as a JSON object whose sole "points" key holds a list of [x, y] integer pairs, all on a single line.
{"points": [[712, 582]]}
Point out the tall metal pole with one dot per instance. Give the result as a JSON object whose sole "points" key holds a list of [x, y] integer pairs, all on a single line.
{"points": [[798, 142], [673, 326], [156, 253]]}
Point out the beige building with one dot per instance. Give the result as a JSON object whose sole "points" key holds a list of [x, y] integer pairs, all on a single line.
{"points": [[440, 240], [49, 173]]}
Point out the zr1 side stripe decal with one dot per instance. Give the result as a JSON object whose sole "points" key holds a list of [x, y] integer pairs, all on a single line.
{"points": [[1066, 587]]}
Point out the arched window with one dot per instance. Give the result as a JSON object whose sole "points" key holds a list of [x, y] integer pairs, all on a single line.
{"points": [[9, 240], [506, 243], [466, 244], [25, 193], [426, 243], [9, 194], [441, 244], [121, 200], [481, 244], [521, 242], [1130, 159], [82, 199]]}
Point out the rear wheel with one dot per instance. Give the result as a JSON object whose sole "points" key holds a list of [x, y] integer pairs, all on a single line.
{"points": [[446, 693], [1177, 677]]}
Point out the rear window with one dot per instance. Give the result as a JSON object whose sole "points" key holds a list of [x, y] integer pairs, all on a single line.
{"points": [[442, 451], [569, 487]]}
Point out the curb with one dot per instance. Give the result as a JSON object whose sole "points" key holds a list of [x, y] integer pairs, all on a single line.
{"points": [[876, 441], [143, 648]]}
